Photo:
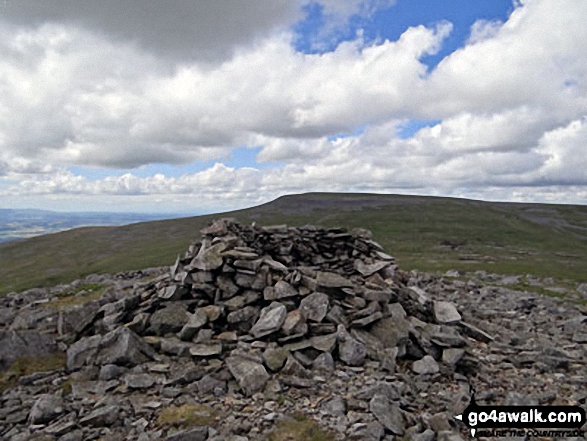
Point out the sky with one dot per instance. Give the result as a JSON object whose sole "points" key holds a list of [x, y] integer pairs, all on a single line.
{"points": [[197, 107]]}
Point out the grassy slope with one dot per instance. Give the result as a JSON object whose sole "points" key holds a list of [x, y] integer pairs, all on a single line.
{"points": [[546, 240]]}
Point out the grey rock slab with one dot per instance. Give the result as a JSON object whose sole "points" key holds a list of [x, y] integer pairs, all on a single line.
{"points": [[388, 414], [46, 408], [475, 333], [195, 321], [139, 381], [293, 323], [392, 331], [64, 428], [335, 406], [324, 343], [110, 372], [242, 315], [103, 416], [369, 269], [324, 362], [446, 312], [209, 384], [373, 431], [315, 306], [362, 322], [174, 346], [447, 435], [123, 347], [15, 344], [208, 259], [451, 356], [294, 368], [193, 434], [227, 286], [75, 320], [83, 352], [350, 351], [427, 435], [284, 290], [206, 350], [251, 376], [389, 390], [271, 319], [172, 293], [332, 280], [426, 365], [274, 358], [172, 318]]}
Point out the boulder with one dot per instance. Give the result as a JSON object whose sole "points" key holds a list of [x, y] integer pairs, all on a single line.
{"points": [[251, 376]]}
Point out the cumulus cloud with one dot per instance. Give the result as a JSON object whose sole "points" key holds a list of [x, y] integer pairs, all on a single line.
{"points": [[511, 104], [182, 30], [82, 100]]}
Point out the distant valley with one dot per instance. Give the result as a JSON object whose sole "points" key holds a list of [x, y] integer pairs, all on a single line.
{"points": [[22, 224]]}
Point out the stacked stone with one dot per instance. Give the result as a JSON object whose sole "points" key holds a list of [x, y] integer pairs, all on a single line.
{"points": [[276, 299]]}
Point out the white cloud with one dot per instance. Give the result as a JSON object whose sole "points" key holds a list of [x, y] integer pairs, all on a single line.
{"points": [[512, 105]]}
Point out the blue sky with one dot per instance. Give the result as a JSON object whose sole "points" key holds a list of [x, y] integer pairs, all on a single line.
{"points": [[202, 108]]}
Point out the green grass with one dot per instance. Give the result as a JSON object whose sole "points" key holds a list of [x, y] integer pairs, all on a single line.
{"points": [[188, 415], [24, 366], [544, 240], [80, 296], [299, 428]]}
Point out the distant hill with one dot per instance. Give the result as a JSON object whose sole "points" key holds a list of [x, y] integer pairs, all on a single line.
{"points": [[426, 233], [21, 224]]}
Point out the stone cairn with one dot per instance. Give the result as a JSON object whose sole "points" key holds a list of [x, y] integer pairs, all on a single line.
{"points": [[255, 301], [248, 314]]}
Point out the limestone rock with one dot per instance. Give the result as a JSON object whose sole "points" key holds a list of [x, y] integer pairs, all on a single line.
{"points": [[251, 376], [315, 306], [46, 408], [351, 351], [426, 365], [271, 319], [388, 414], [445, 312]]}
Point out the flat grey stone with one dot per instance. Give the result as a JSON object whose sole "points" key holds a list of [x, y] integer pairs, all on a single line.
{"points": [[139, 381], [194, 434], [369, 269], [446, 312], [350, 351], [195, 321], [271, 319], [335, 406], [451, 356], [324, 343], [388, 414], [426, 365], [15, 344], [274, 358], [315, 306], [284, 290], [172, 318], [475, 333], [46, 408], [103, 416], [110, 372], [332, 280], [251, 376], [172, 293], [206, 350]]}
